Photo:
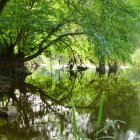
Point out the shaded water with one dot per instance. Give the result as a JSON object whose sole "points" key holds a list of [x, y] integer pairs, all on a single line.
{"points": [[44, 100]]}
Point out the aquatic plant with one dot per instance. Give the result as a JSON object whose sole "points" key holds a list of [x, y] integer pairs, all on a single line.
{"points": [[74, 124], [108, 125]]}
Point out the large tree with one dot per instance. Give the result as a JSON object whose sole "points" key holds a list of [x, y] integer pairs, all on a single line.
{"points": [[29, 27]]}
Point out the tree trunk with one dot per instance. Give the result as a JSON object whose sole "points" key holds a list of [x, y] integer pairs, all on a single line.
{"points": [[101, 68], [10, 52]]}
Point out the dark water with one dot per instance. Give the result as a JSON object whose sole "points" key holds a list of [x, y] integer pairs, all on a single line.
{"points": [[44, 102]]}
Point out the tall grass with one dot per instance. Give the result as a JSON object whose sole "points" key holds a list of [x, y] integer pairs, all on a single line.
{"points": [[99, 121], [100, 113], [74, 123], [98, 124]]}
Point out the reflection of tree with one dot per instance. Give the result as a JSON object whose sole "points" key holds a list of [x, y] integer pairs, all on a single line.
{"points": [[23, 96], [42, 97], [118, 93], [84, 91], [60, 90], [120, 99]]}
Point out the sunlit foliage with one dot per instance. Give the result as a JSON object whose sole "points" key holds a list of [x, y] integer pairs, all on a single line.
{"points": [[106, 30]]}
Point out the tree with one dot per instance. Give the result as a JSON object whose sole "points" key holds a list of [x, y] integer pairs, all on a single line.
{"points": [[29, 28], [111, 27]]}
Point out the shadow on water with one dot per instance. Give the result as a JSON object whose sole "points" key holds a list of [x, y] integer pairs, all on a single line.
{"points": [[44, 100]]}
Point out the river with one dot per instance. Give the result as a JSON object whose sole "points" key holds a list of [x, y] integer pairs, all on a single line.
{"points": [[44, 100]]}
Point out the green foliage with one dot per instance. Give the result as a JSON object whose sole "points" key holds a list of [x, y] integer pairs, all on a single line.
{"points": [[74, 123], [111, 124], [99, 129], [31, 27], [111, 26]]}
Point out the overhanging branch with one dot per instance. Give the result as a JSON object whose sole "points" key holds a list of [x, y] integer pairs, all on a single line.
{"points": [[59, 38], [55, 29], [28, 58]]}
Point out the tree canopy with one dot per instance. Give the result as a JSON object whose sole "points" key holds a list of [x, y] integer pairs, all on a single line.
{"points": [[104, 29]]}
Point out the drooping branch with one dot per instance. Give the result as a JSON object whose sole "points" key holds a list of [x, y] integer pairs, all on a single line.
{"points": [[50, 44], [55, 29], [73, 51], [46, 38], [59, 38]]}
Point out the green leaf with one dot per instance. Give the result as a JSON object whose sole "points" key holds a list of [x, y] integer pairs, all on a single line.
{"points": [[106, 137]]}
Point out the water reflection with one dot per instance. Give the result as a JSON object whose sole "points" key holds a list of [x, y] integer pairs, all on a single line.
{"points": [[44, 101]]}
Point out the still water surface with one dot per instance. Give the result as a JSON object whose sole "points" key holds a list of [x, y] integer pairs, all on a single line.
{"points": [[44, 100]]}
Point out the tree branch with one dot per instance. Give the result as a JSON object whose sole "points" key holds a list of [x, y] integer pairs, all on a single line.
{"points": [[59, 38], [52, 31], [50, 44]]}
